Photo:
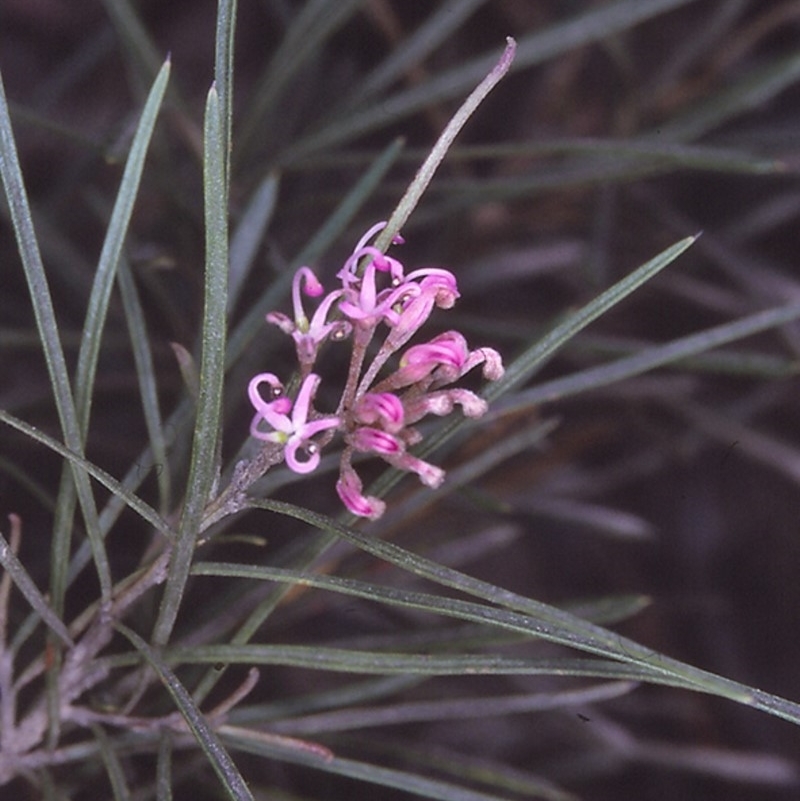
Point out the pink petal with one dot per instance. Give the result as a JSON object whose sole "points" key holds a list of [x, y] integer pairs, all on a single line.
{"points": [[349, 489], [382, 408], [373, 440]]}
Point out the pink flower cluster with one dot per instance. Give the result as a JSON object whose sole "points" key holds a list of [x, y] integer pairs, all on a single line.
{"points": [[375, 415]]}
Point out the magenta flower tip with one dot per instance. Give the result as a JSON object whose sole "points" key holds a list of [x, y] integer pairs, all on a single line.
{"points": [[380, 408], [310, 283], [373, 440], [349, 488]]}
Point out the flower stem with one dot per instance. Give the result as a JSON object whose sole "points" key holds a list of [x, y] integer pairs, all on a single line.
{"points": [[425, 173]]}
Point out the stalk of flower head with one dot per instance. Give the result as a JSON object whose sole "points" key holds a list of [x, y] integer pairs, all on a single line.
{"points": [[378, 406]]}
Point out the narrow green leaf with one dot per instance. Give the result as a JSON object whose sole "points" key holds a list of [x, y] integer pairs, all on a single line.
{"points": [[188, 370], [223, 76], [26, 585], [487, 771], [647, 359], [438, 605], [204, 466], [23, 632], [146, 380], [346, 694], [744, 362], [94, 324], [215, 751], [47, 786], [433, 604], [113, 766], [609, 609], [551, 623], [127, 498], [176, 425], [49, 335], [41, 493], [524, 366], [249, 234], [453, 195], [387, 663], [407, 781], [112, 248]]}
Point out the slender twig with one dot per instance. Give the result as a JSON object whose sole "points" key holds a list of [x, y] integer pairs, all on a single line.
{"points": [[426, 172]]}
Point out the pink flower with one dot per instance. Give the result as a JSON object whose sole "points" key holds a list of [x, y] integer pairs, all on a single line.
{"points": [[438, 282], [366, 307], [364, 303], [376, 416], [274, 410], [490, 359], [308, 336], [380, 408], [446, 353], [349, 487], [437, 288], [442, 402], [293, 432], [441, 361], [349, 272], [392, 449], [372, 440]]}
